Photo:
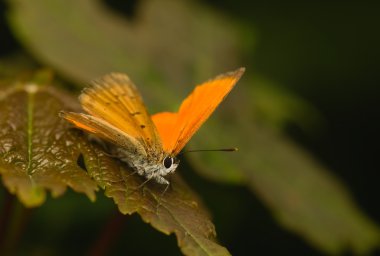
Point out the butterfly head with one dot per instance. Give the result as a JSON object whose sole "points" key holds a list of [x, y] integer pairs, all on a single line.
{"points": [[158, 170], [152, 166]]}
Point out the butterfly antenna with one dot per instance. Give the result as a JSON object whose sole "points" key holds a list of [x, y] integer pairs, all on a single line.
{"points": [[202, 150]]}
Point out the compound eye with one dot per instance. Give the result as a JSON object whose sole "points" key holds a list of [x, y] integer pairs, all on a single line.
{"points": [[168, 162]]}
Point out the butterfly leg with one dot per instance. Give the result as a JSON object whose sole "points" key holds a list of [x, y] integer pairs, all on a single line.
{"points": [[159, 199], [163, 181]]}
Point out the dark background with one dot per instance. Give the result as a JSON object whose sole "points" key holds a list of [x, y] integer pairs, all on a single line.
{"points": [[326, 53], [329, 54]]}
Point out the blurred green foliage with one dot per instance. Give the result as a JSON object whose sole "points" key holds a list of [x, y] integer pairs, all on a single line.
{"points": [[325, 52]]}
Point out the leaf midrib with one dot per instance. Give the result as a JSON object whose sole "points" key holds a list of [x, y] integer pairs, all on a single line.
{"points": [[30, 109]]}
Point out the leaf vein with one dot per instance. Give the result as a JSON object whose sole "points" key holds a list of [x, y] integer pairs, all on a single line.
{"points": [[187, 232]]}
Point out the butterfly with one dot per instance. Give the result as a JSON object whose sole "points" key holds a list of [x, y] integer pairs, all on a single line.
{"points": [[117, 114]]}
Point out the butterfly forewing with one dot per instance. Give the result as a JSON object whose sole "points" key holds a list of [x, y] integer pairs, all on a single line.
{"points": [[176, 129], [115, 99]]}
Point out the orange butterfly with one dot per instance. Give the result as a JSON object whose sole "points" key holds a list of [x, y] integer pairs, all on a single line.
{"points": [[149, 144]]}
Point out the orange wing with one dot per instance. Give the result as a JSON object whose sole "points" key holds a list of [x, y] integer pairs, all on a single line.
{"points": [[176, 129], [104, 130], [115, 99]]}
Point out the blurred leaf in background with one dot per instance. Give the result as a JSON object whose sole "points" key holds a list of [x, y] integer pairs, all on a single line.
{"points": [[168, 46]]}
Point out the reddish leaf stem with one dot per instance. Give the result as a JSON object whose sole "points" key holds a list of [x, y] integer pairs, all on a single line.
{"points": [[5, 216], [108, 236], [13, 222]]}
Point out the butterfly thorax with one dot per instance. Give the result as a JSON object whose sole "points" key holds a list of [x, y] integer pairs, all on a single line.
{"points": [[151, 166]]}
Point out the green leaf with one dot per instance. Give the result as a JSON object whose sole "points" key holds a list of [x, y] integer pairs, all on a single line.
{"points": [[37, 150], [177, 211], [98, 41]]}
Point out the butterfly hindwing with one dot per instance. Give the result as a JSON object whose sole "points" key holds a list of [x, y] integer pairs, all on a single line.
{"points": [[176, 129], [104, 130]]}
